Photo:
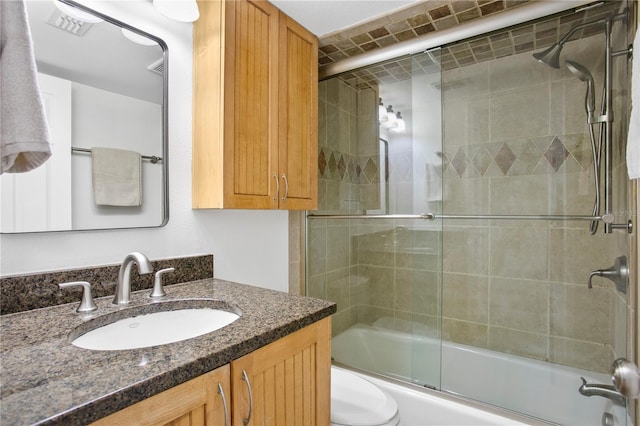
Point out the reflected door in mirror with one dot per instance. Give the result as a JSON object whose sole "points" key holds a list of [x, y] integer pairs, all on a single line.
{"points": [[40, 200]]}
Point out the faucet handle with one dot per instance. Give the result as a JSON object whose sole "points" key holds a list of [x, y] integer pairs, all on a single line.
{"points": [[86, 304], [626, 378], [158, 290]]}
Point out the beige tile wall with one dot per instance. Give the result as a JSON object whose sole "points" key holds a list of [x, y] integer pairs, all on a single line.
{"points": [[520, 287], [515, 142]]}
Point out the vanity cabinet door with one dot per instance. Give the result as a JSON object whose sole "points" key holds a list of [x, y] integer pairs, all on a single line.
{"points": [[289, 380], [196, 402], [255, 108]]}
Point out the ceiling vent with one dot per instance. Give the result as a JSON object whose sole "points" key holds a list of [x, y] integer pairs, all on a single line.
{"points": [[68, 24], [157, 67]]}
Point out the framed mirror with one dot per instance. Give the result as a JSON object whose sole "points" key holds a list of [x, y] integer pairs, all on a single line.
{"points": [[104, 85]]}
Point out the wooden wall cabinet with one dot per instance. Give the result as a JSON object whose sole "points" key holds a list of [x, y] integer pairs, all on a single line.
{"points": [[255, 83], [287, 382]]}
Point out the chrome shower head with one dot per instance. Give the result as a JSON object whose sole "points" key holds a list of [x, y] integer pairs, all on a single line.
{"points": [[551, 56], [585, 76], [579, 71]]}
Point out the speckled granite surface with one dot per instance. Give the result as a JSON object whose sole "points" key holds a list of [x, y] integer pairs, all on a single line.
{"points": [[25, 292], [46, 380]]}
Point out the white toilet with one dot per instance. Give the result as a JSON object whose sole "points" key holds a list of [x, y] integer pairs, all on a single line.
{"points": [[358, 402]]}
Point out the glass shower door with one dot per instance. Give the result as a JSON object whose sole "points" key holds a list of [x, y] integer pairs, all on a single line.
{"points": [[520, 325], [480, 302], [380, 156]]}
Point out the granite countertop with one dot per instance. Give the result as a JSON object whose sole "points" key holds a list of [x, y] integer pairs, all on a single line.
{"points": [[47, 380]]}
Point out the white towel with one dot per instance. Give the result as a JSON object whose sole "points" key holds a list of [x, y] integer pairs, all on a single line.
{"points": [[117, 178], [633, 138], [24, 136]]}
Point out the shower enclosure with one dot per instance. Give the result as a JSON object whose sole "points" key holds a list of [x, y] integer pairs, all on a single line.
{"points": [[457, 191]]}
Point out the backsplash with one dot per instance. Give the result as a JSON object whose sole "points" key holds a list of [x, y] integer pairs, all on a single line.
{"points": [[25, 292]]}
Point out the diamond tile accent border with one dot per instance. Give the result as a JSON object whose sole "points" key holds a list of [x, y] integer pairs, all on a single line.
{"points": [[516, 158], [505, 158], [512, 158], [347, 168], [460, 162], [556, 154]]}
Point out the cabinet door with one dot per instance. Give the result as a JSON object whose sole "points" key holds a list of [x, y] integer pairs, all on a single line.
{"points": [[289, 380], [196, 402], [251, 104], [298, 121]]}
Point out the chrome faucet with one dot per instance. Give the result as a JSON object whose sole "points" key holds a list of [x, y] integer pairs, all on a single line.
{"points": [[123, 290], [606, 391], [618, 273]]}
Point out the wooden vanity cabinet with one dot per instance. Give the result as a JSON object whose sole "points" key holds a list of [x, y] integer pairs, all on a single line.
{"points": [[290, 382], [196, 402], [255, 113]]}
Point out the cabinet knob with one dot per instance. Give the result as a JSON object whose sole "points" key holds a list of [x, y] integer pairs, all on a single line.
{"points": [[86, 304]]}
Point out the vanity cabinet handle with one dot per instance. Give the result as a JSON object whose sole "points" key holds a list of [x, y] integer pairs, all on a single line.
{"points": [[286, 187], [86, 304], [275, 176], [158, 289], [224, 404], [247, 419]]}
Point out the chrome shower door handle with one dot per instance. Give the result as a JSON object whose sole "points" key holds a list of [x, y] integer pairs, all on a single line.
{"points": [[224, 404], [286, 187], [247, 419], [275, 176]]}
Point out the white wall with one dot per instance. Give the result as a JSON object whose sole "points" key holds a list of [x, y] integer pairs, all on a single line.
{"points": [[249, 246]]}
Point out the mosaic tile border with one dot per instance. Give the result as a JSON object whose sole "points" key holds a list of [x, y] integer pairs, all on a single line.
{"points": [[406, 24], [518, 39], [25, 292]]}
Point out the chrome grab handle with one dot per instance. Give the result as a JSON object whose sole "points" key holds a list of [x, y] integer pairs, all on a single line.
{"points": [[247, 419], [286, 187], [86, 304], [275, 176], [224, 404]]}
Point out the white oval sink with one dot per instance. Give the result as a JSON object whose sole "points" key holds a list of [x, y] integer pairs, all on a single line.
{"points": [[156, 328]]}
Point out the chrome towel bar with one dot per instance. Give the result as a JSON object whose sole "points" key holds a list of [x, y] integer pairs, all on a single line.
{"points": [[151, 158]]}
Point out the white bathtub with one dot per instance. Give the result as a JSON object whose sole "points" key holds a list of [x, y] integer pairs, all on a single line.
{"points": [[534, 388]]}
